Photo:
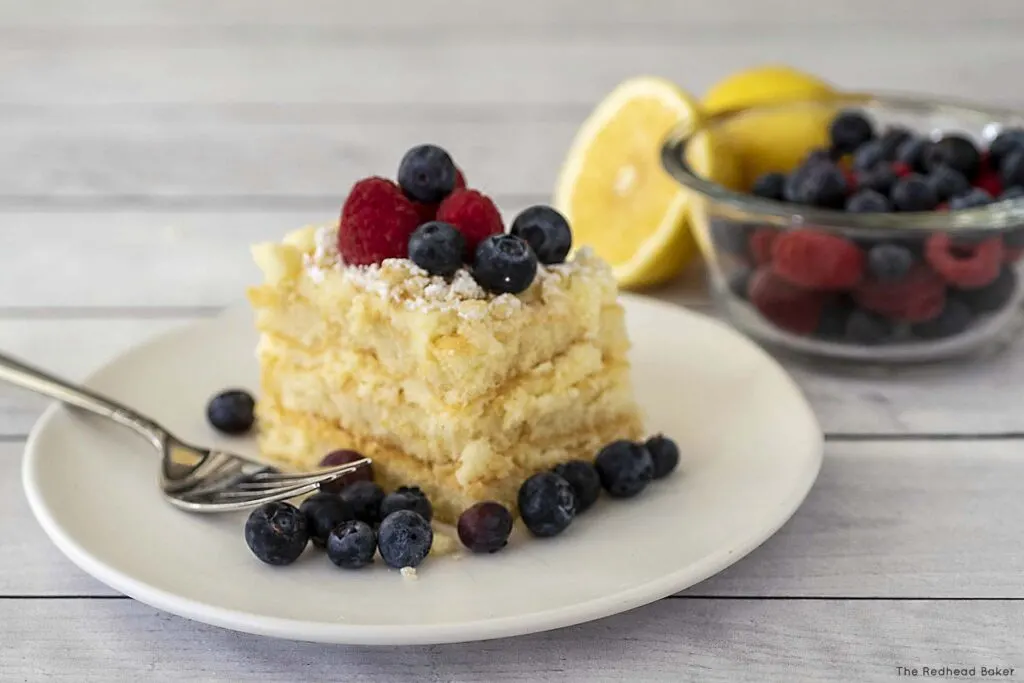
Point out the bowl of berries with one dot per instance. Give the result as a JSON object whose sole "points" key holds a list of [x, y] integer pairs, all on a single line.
{"points": [[898, 238]]}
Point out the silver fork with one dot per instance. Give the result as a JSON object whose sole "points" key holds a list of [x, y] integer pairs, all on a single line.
{"points": [[191, 478]]}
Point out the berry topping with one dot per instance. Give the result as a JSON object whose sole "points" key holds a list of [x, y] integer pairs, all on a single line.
{"points": [[956, 152], [546, 231], [547, 504], [868, 201], [437, 248], [232, 411], [974, 197], [964, 264], [407, 498], [918, 297], [351, 545], [954, 319], [761, 241], [891, 140], [913, 193], [1011, 168], [849, 130], [881, 178], [585, 483], [770, 186], [625, 468], [819, 155], [460, 179], [426, 174], [404, 539], [911, 153], [343, 457], [323, 512], [817, 260], [485, 527], [889, 262], [376, 222], [869, 155], [989, 181], [834, 316], [276, 533], [473, 214], [817, 184], [790, 307], [364, 497], [947, 182], [504, 264], [992, 296], [864, 327], [664, 453], [1008, 140]]}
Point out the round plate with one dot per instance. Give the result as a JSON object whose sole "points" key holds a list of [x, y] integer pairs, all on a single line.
{"points": [[751, 450]]}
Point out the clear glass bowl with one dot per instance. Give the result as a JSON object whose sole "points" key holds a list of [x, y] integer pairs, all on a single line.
{"points": [[725, 221]]}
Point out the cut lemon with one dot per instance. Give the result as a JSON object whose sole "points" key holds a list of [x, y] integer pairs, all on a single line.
{"points": [[613, 190], [766, 84]]}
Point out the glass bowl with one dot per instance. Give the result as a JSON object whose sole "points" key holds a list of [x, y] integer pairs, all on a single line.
{"points": [[931, 313]]}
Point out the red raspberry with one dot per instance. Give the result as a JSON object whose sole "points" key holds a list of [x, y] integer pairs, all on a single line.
{"points": [[990, 182], [918, 297], [376, 222], [964, 265], [792, 308], [761, 245], [851, 180], [474, 214], [817, 260], [428, 212], [901, 169], [460, 180]]}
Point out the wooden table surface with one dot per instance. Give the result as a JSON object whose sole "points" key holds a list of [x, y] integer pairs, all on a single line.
{"points": [[144, 145]]}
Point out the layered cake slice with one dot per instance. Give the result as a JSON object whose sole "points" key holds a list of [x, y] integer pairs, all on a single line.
{"points": [[459, 358]]}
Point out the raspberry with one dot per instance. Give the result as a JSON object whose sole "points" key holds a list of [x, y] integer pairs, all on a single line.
{"points": [[460, 180], [990, 182], [790, 307], [474, 214], [376, 222], [428, 212], [817, 260], [902, 169], [918, 297], [964, 265], [761, 241]]}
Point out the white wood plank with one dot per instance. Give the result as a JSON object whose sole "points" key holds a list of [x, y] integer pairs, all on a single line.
{"points": [[893, 520], [737, 641]]}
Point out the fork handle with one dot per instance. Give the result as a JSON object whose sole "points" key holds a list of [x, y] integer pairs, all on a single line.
{"points": [[25, 376]]}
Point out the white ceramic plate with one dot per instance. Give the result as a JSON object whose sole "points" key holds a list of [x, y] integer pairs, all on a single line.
{"points": [[751, 450]]}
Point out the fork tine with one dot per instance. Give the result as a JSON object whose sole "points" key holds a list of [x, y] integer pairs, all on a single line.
{"points": [[234, 500], [269, 480]]}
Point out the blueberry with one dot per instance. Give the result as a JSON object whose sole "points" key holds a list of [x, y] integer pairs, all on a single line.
{"points": [[739, 282], [912, 152], [956, 317], [1015, 192], [992, 296], [485, 527], [351, 544], [864, 327], [546, 231], [547, 504], [625, 468], [821, 155], [407, 498], [437, 248], [832, 324], [913, 193], [891, 140], [867, 201], [276, 533], [404, 539], [889, 262], [664, 453], [343, 457], [232, 411], [1008, 140], [504, 264], [583, 479], [956, 152], [973, 198], [364, 497], [849, 130], [881, 178], [770, 186], [869, 155], [947, 182], [820, 184], [426, 174], [1011, 168], [323, 512]]}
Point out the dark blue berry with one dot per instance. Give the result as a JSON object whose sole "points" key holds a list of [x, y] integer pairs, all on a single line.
{"points": [[739, 282], [404, 539], [973, 198], [869, 155], [947, 182], [364, 497], [891, 140], [1011, 168], [232, 411], [437, 247], [992, 296], [821, 155], [849, 130], [504, 264], [864, 327], [818, 184], [625, 468], [1015, 192], [912, 152], [867, 201], [407, 498], [881, 178], [770, 186], [832, 323], [913, 193], [956, 317], [426, 174], [351, 545], [546, 231], [547, 504], [956, 152], [323, 512], [485, 527], [1008, 140], [664, 454], [276, 533], [582, 476], [889, 262]]}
